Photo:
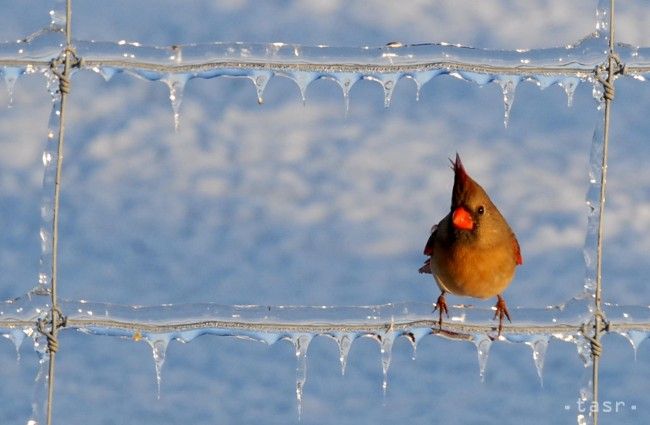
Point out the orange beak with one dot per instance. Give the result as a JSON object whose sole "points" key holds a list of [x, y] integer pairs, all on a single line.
{"points": [[462, 219]]}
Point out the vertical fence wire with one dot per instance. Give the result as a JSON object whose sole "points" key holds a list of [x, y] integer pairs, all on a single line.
{"points": [[599, 322], [56, 315]]}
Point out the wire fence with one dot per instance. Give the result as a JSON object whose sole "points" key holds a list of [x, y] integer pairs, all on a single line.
{"points": [[583, 320]]}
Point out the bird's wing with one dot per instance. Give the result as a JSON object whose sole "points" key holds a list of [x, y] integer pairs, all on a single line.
{"points": [[518, 259], [428, 248], [426, 267]]}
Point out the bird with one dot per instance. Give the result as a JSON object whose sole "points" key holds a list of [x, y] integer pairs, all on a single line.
{"points": [[472, 251]]}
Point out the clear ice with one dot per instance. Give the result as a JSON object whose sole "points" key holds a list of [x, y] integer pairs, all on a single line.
{"points": [[344, 342], [565, 66], [301, 345], [158, 345]]}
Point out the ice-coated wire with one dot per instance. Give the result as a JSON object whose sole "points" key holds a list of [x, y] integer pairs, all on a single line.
{"points": [[608, 86], [56, 319]]}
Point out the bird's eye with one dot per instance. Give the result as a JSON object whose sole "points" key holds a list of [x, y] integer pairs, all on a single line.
{"points": [[481, 210]]}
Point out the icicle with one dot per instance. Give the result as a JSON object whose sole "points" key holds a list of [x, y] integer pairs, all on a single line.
{"points": [[17, 336], [303, 80], [49, 158], [176, 84], [39, 397], [260, 79], [10, 75], [188, 336], [473, 77], [593, 213], [538, 345], [389, 86], [301, 344], [388, 83], [106, 71], [346, 80], [158, 345], [414, 336], [508, 85], [585, 396], [421, 78], [546, 81], [635, 338], [344, 342], [270, 338], [569, 85], [386, 348], [483, 343], [414, 344]]}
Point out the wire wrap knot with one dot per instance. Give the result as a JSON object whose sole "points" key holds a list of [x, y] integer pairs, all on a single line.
{"points": [[61, 322]]}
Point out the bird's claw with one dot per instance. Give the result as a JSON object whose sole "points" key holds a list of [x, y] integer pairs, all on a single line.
{"points": [[441, 306], [501, 312]]}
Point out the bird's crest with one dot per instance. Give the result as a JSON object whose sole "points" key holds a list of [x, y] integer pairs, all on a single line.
{"points": [[461, 179]]}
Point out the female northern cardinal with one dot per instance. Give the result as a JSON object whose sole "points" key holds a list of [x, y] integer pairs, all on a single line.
{"points": [[472, 251]]}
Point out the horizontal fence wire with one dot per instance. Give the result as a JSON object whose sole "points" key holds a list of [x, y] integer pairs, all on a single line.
{"points": [[578, 60], [568, 318]]}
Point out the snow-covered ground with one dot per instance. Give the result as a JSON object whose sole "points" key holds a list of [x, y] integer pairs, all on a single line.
{"points": [[303, 205]]}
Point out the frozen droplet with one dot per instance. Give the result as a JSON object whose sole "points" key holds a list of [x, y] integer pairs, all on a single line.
{"points": [[45, 239], [346, 80], [508, 85], [158, 345], [260, 79], [344, 342], [388, 83], [569, 85], [483, 343], [176, 84], [635, 338], [301, 344], [388, 92], [303, 80], [538, 346], [47, 155]]}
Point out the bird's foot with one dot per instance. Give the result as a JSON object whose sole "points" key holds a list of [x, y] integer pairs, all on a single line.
{"points": [[441, 306], [501, 312]]}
